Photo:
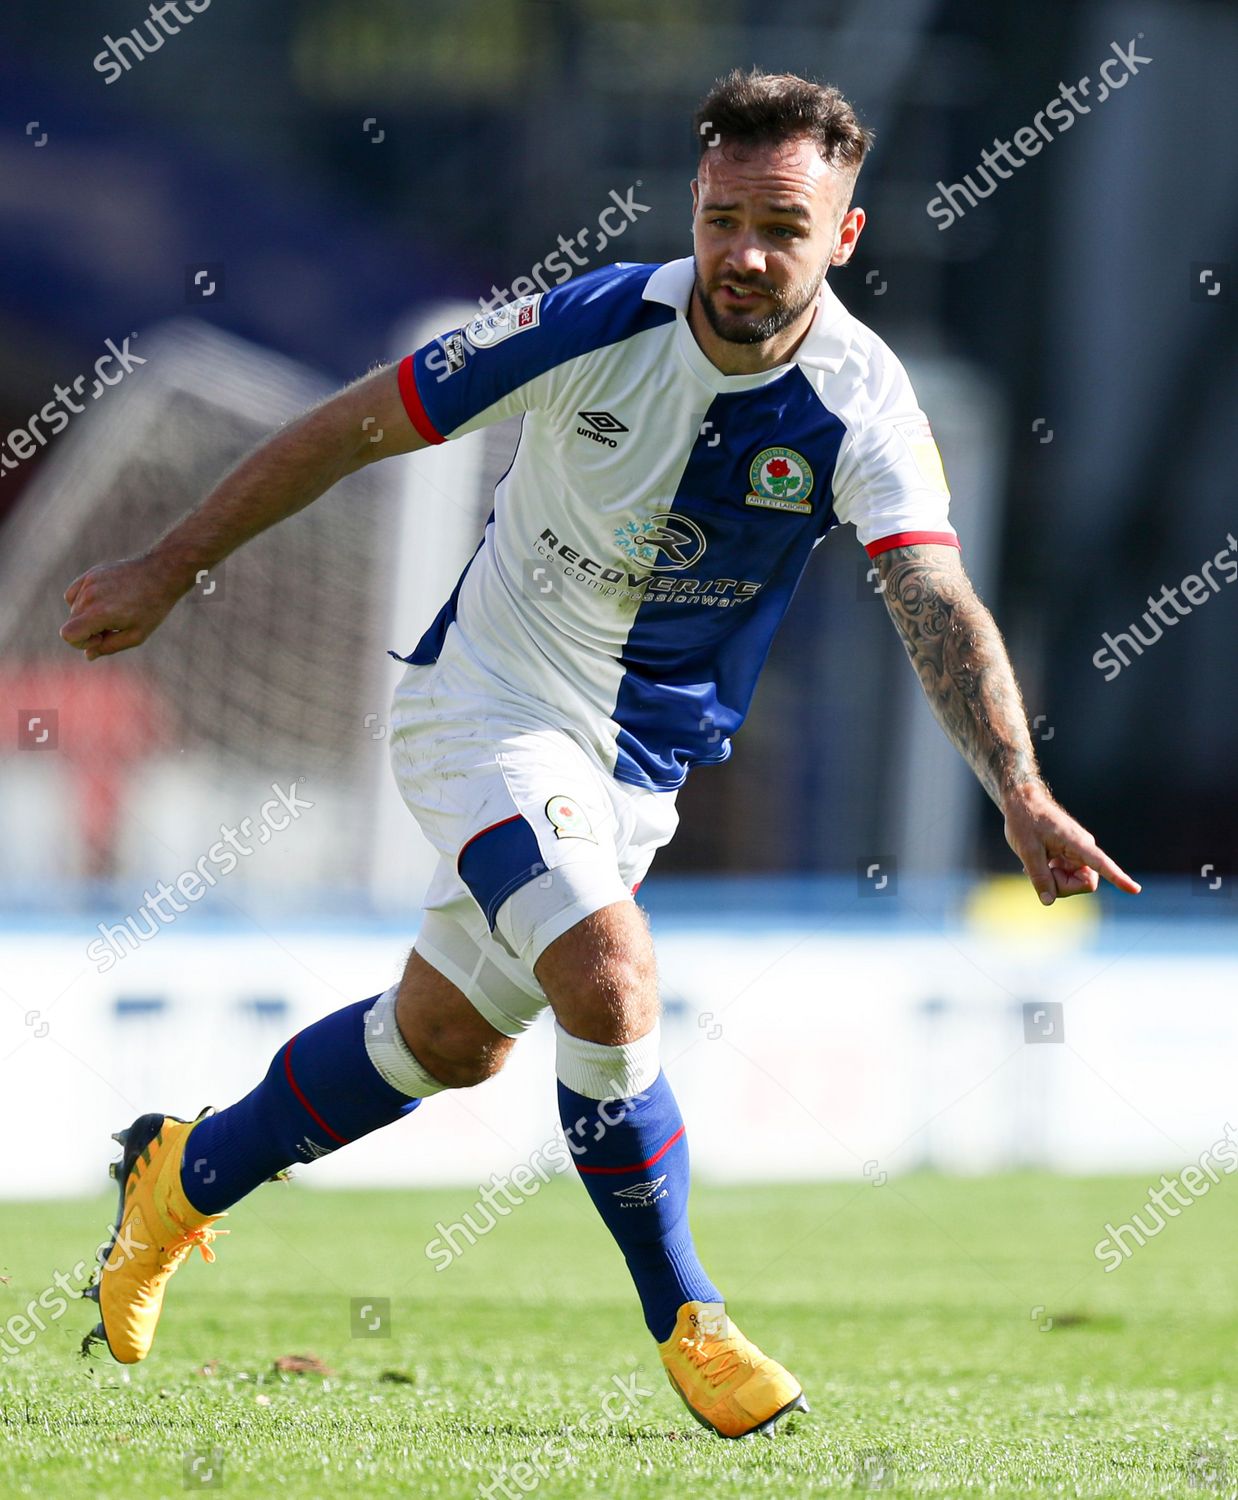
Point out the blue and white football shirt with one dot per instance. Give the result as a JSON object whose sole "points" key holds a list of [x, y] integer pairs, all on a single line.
{"points": [[658, 514]]}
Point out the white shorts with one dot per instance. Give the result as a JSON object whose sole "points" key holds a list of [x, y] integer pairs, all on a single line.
{"points": [[534, 833]]}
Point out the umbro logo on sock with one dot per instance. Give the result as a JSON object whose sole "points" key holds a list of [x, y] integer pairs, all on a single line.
{"points": [[642, 1192], [311, 1150]]}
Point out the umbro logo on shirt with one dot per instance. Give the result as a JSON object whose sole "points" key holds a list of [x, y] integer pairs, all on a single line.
{"points": [[600, 423]]}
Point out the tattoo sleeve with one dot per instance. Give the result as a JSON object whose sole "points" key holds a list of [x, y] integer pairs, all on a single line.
{"points": [[960, 658]]}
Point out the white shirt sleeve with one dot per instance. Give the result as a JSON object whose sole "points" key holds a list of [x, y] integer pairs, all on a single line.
{"points": [[889, 482]]}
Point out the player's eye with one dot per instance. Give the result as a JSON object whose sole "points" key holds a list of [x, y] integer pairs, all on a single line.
{"points": [[784, 231], [722, 223]]}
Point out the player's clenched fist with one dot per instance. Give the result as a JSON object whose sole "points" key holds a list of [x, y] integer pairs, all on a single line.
{"points": [[117, 605]]}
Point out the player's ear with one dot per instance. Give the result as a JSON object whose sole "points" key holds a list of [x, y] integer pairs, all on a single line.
{"points": [[696, 194], [849, 230]]}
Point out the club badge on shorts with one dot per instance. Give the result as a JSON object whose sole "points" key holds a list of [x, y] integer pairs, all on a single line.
{"points": [[780, 479], [569, 820]]}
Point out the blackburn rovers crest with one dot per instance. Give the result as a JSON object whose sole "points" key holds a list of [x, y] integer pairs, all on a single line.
{"points": [[780, 479]]}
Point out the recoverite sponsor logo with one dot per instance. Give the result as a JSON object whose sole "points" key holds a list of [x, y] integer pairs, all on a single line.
{"points": [[624, 584]]}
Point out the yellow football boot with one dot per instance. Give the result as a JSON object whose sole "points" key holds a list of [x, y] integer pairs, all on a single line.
{"points": [[723, 1378], [156, 1229]]}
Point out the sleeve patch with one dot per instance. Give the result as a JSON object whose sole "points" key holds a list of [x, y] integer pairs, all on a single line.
{"points": [[918, 436], [502, 322]]}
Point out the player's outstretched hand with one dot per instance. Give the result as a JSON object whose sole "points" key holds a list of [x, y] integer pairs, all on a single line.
{"points": [[1060, 856], [117, 605]]}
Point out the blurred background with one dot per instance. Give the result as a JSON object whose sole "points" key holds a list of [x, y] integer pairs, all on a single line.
{"points": [[207, 222]]}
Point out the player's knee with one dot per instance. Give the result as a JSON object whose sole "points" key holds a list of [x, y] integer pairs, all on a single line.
{"points": [[456, 1067], [453, 1050], [601, 978], [617, 1003], [444, 1031]]}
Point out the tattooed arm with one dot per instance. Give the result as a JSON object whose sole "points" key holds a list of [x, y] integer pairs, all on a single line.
{"points": [[959, 656]]}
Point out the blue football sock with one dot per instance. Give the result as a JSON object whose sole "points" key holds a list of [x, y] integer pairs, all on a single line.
{"points": [[632, 1156], [320, 1092]]}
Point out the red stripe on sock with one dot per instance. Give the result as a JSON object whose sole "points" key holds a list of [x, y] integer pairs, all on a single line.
{"points": [[637, 1166], [296, 1089]]}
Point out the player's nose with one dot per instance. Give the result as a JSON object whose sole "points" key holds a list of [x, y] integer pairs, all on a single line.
{"points": [[745, 258]]}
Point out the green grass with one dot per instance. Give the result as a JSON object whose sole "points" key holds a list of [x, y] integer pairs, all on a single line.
{"points": [[905, 1309]]}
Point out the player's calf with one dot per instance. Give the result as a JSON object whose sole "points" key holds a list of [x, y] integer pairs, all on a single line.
{"points": [[628, 1139], [335, 1081]]}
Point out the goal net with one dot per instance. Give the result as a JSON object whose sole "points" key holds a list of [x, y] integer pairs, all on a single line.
{"points": [[264, 674]]}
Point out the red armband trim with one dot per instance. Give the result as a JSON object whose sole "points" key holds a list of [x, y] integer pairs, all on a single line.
{"points": [[912, 539], [412, 403]]}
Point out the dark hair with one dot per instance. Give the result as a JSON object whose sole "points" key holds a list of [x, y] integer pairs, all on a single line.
{"points": [[760, 109]]}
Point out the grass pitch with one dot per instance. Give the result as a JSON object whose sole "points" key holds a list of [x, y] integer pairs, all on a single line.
{"points": [[954, 1338]]}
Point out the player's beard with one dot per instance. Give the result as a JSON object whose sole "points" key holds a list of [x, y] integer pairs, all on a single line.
{"points": [[740, 328]]}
